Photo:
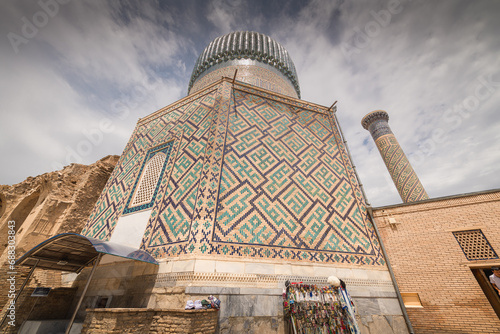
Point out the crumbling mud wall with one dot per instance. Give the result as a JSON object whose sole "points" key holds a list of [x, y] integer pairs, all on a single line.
{"points": [[43, 206]]}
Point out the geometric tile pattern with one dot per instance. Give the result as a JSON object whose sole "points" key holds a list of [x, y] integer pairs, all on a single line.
{"points": [[406, 180], [475, 245], [185, 125], [248, 174], [205, 211], [168, 233], [285, 185], [253, 74], [172, 217]]}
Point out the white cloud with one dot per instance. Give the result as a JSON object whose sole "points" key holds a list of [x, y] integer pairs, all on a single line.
{"points": [[416, 67], [95, 59], [83, 65]]}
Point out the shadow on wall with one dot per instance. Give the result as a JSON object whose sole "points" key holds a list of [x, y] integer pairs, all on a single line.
{"points": [[122, 283], [24, 208], [18, 215], [2, 206]]}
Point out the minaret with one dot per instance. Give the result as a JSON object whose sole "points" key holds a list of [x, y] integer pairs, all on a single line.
{"points": [[409, 187]]}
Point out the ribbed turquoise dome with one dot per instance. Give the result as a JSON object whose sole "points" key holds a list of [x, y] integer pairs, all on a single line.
{"points": [[246, 45]]}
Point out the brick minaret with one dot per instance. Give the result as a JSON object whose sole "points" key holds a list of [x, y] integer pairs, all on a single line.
{"points": [[409, 187]]}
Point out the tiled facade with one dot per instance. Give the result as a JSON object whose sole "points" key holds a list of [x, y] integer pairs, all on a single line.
{"points": [[427, 258], [256, 75], [187, 126], [286, 183], [246, 48], [250, 175]]}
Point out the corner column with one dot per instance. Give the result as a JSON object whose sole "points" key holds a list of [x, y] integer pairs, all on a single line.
{"points": [[409, 187]]}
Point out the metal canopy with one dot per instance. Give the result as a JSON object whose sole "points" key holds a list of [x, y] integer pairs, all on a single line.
{"points": [[73, 252]]}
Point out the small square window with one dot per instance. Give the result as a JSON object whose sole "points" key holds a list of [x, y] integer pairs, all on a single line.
{"points": [[411, 300], [102, 302]]}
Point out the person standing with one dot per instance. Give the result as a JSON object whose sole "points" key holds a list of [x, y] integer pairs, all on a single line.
{"points": [[495, 278]]}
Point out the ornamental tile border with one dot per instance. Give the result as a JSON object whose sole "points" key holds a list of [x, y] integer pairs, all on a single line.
{"points": [[252, 280], [279, 98], [178, 104]]}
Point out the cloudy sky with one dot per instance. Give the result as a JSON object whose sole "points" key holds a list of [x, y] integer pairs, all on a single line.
{"points": [[77, 75]]}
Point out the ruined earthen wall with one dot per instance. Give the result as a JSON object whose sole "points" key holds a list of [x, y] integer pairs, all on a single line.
{"points": [[149, 321], [42, 207]]}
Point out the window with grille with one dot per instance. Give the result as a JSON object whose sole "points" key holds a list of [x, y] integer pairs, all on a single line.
{"points": [[475, 245], [149, 179], [147, 184]]}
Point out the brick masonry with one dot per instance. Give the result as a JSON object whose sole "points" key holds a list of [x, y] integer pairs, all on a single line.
{"points": [[56, 305], [427, 259], [149, 321]]}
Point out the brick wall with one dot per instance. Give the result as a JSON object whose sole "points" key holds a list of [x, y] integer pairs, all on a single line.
{"points": [[55, 306], [427, 259], [149, 321]]}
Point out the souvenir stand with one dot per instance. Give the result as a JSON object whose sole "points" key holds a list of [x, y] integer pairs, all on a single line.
{"points": [[312, 309]]}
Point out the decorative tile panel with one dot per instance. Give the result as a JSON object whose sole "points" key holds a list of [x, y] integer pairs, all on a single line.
{"points": [[250, 175], [288, 190], [172, 220], [256, 74], [186, 126]]}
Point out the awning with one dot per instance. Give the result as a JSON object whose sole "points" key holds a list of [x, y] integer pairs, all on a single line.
{"points": [[73, 252]]}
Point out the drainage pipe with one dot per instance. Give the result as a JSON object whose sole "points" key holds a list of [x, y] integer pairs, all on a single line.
{"points": [[370, 215]]}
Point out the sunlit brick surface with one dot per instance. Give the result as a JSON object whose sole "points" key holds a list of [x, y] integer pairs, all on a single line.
{"points": [[427, 259]]}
